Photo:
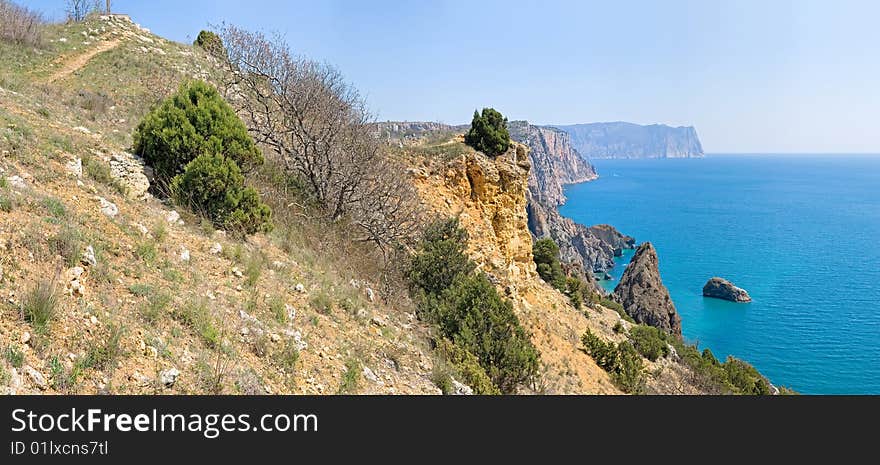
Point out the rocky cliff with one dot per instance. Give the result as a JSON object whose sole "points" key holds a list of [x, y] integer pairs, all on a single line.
{"points": [[556, 163], [643, 295], [489, 196], [627, 140]]}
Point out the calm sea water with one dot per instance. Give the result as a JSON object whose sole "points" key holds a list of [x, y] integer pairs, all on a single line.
{"points": [[799, 233]]}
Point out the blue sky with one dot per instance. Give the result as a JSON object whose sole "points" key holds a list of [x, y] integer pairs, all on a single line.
{"points": [[752, 76]]}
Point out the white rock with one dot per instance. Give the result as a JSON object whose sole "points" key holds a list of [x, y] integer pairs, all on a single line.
{"points": [[75, 272], [461, 389], [88, 256], [216, 248], [300, 288], [75, 167], [36, 377], [169, 377], [236, 272], [172, 216], [184, 254], [93, 320], [369, 375], [82, 129], [25, 337], [371, 295], [141, 379], [107, 207], [143, 229], [16, 182], [278, 265], [291, 312]]}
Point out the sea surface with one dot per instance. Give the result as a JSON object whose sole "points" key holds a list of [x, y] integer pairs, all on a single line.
{"points": [[800, 233]]}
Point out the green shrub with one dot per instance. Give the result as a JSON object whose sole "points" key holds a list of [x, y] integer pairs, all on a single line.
{"points": [[617, 307], [213, 185], [40, 305], [745, 378], [209, 41], [465, 366], [546, 256], [467, 309], [198, 317], [351, 378], [440, 257], [103, 355], [488, 132], [194, 121], [649, 341], [14, 356], [622, 361], [476, 318]]}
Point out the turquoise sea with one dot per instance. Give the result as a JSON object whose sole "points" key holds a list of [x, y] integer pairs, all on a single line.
{"points": [[800, 233]]}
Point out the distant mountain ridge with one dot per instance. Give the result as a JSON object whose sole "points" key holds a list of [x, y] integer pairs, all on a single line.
{"points": [[628, 140]]}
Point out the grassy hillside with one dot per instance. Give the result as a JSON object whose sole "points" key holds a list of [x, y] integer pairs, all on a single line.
{"points": [[297, 311]]}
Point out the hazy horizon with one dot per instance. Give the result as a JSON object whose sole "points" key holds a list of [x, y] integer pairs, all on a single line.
{"points": [[750, 76]]}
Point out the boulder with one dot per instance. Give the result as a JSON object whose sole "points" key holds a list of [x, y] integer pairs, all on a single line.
{"points": [[720, 288], [643, 295]]}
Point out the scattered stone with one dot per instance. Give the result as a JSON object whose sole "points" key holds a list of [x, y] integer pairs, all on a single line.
{"points": [[291, 312], [300, 288], [172, 216], [370, 376], [362, 314], [108, 208], [275, 337], [131, 172], [25, 337], [461, 389], [236, 272], [370, 294], [93, 320], [169, 377], [184, 254], [720, 288], [82, 129], [378, 321], [88, 256], [143, 229], [151, 352], [75, 167], [141, 379], [36, 377], [278, 265], [16, 182], [216, 248]]}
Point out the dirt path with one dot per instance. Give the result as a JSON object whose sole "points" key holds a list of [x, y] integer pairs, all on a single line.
{"points": [[72, 65]]}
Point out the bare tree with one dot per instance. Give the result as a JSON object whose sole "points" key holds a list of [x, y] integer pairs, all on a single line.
{"points": [[20, 25], [319, 127], [78, 10]]}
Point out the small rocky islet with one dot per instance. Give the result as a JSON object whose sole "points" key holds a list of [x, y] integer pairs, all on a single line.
{"points": [[720, 288]]}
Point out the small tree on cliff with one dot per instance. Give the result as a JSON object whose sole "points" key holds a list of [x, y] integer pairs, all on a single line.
{"points": [[488, 132]]}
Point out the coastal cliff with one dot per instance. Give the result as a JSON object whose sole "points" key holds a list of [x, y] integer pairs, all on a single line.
{"points": [[627, 140], [489, 195], [555, 163], [643, 295]]}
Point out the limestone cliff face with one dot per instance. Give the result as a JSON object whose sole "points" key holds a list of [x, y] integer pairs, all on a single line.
{"points": [[490, 195], [643, 295], [554, 161], [627, 140]]}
